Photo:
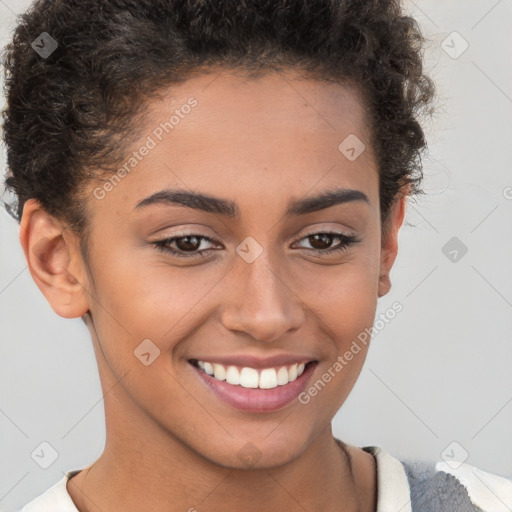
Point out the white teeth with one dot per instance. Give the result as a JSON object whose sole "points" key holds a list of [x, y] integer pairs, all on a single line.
{"points": [[282, 376], [249, 378], [292, 373], [267, 378], [232, 376], [219, 371]]}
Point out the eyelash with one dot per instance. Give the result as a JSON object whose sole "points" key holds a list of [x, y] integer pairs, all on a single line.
{"points": [[163, 245]]}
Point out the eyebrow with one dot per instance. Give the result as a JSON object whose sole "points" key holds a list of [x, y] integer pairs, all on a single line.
{"points": [[228, 208]]}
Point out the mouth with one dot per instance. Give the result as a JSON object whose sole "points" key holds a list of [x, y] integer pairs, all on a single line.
{"points": [[248, 377], [261, 389]]}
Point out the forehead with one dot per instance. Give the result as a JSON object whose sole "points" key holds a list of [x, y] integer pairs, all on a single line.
{"points": [[230, 135], [277, 102]]}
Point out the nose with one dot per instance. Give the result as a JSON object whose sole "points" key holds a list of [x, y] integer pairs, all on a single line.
{"points": [[259, 300]]}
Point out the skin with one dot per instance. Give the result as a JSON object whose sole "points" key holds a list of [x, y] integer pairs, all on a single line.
{"points": [[171, 444]]}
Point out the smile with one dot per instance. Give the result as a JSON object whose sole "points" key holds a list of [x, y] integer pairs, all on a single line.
{"points": [[266, 378], [253, 384]]}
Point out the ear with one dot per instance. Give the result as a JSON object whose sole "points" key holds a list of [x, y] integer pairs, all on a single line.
{"points": [[389, 244], [54, 260]]}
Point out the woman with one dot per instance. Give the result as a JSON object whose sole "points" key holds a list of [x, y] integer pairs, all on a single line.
{"points": [[216, 189]]}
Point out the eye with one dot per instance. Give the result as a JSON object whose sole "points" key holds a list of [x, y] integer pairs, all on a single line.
{"points": [[186, 245], [320, 239]]}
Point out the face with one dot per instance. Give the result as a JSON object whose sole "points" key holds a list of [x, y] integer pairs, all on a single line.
{"points": [[263, 271]]}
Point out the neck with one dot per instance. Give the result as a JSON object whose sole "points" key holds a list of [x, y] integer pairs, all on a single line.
{"points": [[142, 479], [153, 471]]}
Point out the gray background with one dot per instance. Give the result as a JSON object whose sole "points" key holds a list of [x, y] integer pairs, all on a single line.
{"points": [[438, 374]]}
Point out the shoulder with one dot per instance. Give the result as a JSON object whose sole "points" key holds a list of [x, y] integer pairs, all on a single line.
{"points": [[456, 487]]}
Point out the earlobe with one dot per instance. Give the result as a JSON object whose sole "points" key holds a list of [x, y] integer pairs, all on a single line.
{"points": [[53, 261], [389, 246]]}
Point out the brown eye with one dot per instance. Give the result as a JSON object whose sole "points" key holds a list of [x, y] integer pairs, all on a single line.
{"points": [[188, 243], [322, 242], [185, 245]]}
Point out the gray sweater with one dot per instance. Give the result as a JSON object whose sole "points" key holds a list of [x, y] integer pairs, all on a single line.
{"points": [[433, 491]]}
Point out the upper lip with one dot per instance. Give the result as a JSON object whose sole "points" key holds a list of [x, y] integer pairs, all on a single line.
{"points": [[253, 361]]}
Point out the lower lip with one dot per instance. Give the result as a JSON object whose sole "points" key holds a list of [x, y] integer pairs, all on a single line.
{"points": [[255, 399]]}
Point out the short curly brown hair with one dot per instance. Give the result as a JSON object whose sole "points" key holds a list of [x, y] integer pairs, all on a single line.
{"points": [[69, 115]]}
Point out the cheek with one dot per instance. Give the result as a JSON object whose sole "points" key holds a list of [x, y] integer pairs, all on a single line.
{"points": [[346, 317], [348, 321], [343, 300], [141, 296], [344, 296]]}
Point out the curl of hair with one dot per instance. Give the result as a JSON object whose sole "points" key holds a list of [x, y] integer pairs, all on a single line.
{"points": [[71, 115]]}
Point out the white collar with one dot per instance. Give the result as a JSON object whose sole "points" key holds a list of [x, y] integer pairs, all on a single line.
{"points": [[393, 491], [54, 499]]}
